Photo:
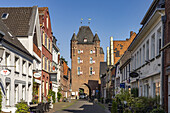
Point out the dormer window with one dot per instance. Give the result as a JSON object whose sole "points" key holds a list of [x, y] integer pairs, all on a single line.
{"points": [[85, 39], [4, 16]]}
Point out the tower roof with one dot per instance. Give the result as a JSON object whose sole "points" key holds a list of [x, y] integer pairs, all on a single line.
{"points": [[74, 37], [85, 33], [96, 37]]}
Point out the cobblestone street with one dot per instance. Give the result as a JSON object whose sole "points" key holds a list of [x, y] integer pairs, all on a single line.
{"points": [[83, 106]]}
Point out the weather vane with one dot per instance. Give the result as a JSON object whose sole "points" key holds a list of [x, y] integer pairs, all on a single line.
{"points": [[89, 19]]}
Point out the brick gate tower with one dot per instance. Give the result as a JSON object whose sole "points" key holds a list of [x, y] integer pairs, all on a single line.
{"points": [[86, 55]]}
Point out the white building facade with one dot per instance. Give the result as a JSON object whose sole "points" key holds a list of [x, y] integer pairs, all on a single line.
{"points": [[146, 58]]}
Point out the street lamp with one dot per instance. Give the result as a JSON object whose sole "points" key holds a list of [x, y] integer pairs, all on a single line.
{"points": [[1, 53]]}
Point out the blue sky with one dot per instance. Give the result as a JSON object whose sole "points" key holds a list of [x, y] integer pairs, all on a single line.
{"points": [[108, 18]]}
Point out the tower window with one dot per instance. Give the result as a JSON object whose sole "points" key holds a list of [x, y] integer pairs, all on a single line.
{"points": [[91, 70], [4, 16], [91, 60], [91, 51]]}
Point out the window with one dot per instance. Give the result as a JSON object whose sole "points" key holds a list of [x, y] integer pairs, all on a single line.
{"points": [[156, 89], [143, 54], [23, 92], [47, 22], [45, 63], [79, 51], [91, 60], [153, 46], [16, 91], [78, 70], [24, 67], [46, 40], [4, 16], [48, 65], [29, 69], [43, 37], [158, 40], [91, 51], [47, 88], [7, 59], [146, 90], [43, 86], [7, 94], [137, 60], [91, 70], [140, 57], [78, 60], [49, 45], [16, 64], [147, 50]]}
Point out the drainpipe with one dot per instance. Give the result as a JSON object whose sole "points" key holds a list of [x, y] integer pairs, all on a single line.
{"points": [[163, 18]]}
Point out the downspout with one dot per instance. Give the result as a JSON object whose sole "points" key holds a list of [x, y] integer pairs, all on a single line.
{"points": [[163, 18]]}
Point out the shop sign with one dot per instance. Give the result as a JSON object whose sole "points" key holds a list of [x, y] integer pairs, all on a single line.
{"points": [[37, 75], [133, 74]]}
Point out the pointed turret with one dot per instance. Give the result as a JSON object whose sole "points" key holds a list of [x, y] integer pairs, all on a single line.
{"points": [[74, 37], [96, 37]]}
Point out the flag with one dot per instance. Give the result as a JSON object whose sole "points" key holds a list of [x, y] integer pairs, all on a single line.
{"points": [[81, 18], [89, 19]]}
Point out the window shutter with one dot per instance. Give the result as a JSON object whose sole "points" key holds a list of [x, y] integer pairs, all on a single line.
{"points": [[93, 61], [81, 51], [94, 51], [81, 61], [81, 73], [93, 72]]}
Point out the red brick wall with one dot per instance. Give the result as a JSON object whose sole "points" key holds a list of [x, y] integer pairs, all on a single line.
{"points": [[166, 53], [79, 80]]}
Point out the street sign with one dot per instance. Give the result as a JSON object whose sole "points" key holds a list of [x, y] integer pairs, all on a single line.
{"points": [[5, 72], [122, 85], [37, 75]]}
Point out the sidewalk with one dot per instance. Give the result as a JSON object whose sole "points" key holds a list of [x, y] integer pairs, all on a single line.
{"points": [[105, 106], [61, 105]]}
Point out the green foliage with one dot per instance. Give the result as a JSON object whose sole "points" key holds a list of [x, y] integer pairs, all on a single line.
{"points": [[59, 95], [137, 104], [0, 100], [22, 107], [158, 110], [51, 94], [114, 106], [35, 93]]}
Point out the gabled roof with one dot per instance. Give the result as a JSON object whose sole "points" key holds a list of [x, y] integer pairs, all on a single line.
{"points": [[155, 4], [11, 39], [96, 37], [85, 33], [20, 19]]}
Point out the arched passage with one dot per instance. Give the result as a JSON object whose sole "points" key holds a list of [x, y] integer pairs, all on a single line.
{"points": [[89, 89]]}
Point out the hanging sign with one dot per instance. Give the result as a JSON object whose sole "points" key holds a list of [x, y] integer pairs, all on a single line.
{"points": [[37, 75], [5, 72], [133, 74]]}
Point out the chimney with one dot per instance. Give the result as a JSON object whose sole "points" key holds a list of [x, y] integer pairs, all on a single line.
{"points": [[131, 33]]}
